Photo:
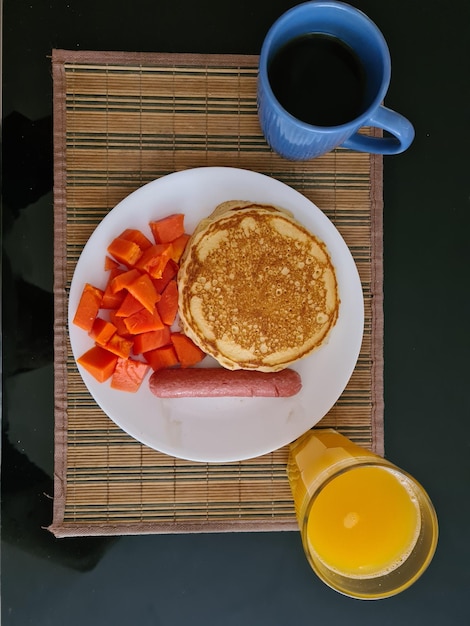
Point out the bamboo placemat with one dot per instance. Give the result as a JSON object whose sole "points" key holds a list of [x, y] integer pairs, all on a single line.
{"points": [[120, 121]]}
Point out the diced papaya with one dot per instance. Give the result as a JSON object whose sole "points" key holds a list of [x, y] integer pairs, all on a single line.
{"points": [[102, 331], [137, 236], [121, 346], [187, 352], [125, 251], [88, 307], [151, 340], [141, 296], [110, 264], [168, 228], [178, 245], [112, 300], [98, 362], [154, 259], [129, 306], [123, 280], [119, 323], [129, 374], [143, 322], [167, 306], [144, 291], [161, 357], [170, 271]]}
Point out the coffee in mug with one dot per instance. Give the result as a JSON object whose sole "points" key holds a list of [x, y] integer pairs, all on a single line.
{"points": [[318, 79], [323, 73]]}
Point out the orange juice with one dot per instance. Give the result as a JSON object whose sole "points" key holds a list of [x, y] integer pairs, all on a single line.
{"points": [[364, 522], [369, 529]]}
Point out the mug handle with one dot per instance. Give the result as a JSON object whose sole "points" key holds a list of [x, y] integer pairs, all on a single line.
{"points": [[390, 121]]}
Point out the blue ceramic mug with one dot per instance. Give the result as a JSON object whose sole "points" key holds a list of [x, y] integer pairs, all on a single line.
{"points": [[296, 139]]}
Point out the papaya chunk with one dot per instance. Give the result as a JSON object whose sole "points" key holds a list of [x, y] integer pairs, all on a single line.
{"points": [[143, 322], [167, 306], [129, 306], [88, 307], [154, 259], [137, 236], [170, 271], [112, 300], [119, 345], [121, 328], [161, 357], [178, 246], [128, 375], [152, 340], [168, 228], [110, 264], [144, 291], [125, 251], [98, 362], [187, 352], [123, 280], [102, 331]]}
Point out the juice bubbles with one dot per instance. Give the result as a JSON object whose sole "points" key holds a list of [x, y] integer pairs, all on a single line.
{"points": [[369, 529]]}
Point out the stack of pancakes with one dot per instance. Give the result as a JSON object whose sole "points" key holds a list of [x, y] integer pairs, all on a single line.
{"points": [[257, 290]]}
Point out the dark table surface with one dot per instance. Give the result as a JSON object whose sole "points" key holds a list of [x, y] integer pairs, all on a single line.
{"points": [[240, 578]]}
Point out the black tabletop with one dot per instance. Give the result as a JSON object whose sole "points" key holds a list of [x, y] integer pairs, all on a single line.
{"points": [[242, 578]]}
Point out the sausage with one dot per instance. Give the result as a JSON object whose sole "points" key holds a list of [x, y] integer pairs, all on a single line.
{"points": [[219, 382]]}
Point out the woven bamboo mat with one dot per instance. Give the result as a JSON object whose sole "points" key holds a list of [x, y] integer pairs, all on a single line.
{"points": [[120, 121]]}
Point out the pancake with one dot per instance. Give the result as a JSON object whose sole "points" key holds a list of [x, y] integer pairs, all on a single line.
{"points": [[256, 289]]}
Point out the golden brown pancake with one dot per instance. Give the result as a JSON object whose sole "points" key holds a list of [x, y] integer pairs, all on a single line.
{"points": [[257, 290]]}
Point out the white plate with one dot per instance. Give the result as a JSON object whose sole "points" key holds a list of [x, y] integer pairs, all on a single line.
{"points": [[223, 429]]}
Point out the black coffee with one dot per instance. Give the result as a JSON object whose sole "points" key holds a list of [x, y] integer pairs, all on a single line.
{"points": [[318, 79]]}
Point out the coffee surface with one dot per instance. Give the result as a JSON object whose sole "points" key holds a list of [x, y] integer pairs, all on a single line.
{"points": [[318, 79]]}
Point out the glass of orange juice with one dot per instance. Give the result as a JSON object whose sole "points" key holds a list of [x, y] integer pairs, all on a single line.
{"points": [[368, 528]]}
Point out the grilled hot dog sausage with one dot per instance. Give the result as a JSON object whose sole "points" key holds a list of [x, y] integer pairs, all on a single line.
{"points": [[219, 382]]}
